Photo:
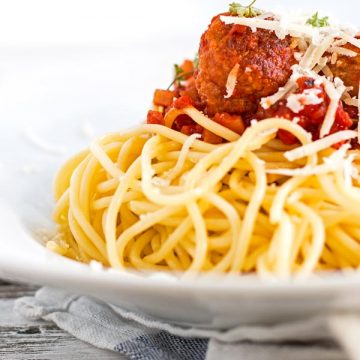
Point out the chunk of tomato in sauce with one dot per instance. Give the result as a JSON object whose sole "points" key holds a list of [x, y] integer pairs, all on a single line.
{"points": [[232, 122], [191, 129], [163, 97], [182, 102], [155, 118]]}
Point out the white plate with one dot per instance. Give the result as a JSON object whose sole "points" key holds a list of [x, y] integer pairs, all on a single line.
{"points": [[53, 94]]}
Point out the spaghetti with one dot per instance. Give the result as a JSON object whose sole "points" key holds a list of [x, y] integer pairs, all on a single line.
{"points": [[153, 198], [159, 197]]}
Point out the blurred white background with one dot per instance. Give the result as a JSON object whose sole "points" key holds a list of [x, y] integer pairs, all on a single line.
{"points": [[70, 65], [24, 22], [99, 60], [29, 22]]}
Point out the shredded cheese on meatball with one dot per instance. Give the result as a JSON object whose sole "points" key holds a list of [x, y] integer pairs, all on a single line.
{"points": [[231, 82], [317, 49], [341, 51]]}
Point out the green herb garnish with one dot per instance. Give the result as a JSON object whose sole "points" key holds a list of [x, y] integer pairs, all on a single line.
{"points": [[196, 61], [316, 21], [244, 11], [180, 75]]}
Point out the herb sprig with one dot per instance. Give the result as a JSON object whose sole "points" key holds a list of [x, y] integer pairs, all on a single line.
{"points": [[196, 61], [317, 21], [181, 75], [244, 11]]}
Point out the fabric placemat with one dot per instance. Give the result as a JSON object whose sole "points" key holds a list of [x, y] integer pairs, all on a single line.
{"points": [[143, 338]]}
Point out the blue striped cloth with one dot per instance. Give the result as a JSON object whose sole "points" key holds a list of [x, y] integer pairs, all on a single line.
{"points": [[138, 337]]}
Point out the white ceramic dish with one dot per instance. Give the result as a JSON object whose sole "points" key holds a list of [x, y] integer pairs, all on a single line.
{"points": [[55, 96], [206, 302]]}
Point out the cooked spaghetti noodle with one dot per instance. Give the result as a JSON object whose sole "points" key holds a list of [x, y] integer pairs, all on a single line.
{"points": [[159, 197], [153, 198]]}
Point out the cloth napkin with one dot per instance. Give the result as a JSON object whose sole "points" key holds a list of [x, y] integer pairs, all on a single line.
{"points": [[139, 337]]}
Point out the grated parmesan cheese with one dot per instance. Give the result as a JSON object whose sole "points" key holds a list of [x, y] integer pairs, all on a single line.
{"points": [[316, 47], [231, 81], [305, 61], [303, 45], [340, 42], [331, 163], [297, 102], [327, 72], [298, 56], [272, 25], [334, 58], [268, 101], [321, 64], [267, 15], [297, 72], [297, 28], [319, 51], [341, 51], [329, 120], [339, 86], [351, 101], [350, 39], [305, 171], [318, 145]]}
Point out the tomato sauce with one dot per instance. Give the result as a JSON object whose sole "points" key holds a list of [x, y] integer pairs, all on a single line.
{"points": [[311, 117], [155, 118]]}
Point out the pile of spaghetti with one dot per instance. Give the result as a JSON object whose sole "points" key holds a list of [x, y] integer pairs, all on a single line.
{"points": [[223, 179]]}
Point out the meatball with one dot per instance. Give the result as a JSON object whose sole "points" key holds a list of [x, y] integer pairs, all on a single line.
{"points": [[348, 69], [264, 65]]}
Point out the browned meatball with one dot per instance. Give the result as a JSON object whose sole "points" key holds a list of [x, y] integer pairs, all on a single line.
{"points": [[348, 69], [264, 65]]}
